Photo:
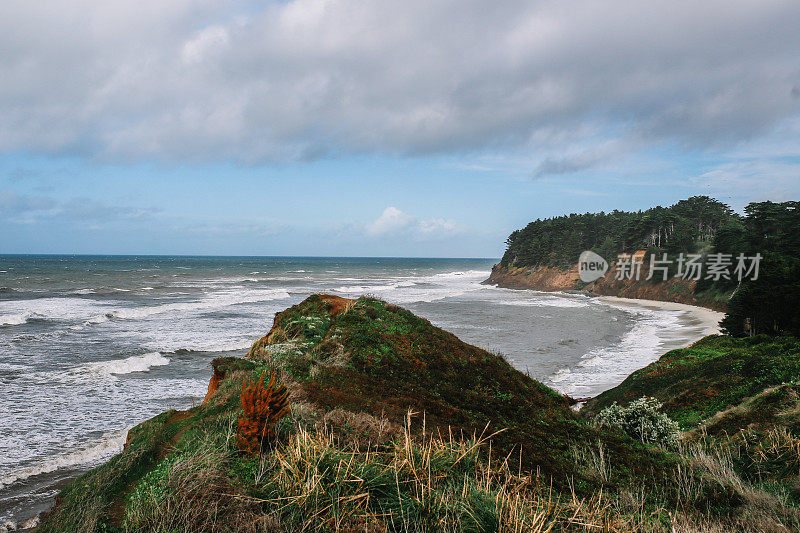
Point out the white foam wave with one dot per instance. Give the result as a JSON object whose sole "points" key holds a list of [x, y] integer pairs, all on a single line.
{"points": [[465, 274], [200, 343], [13, 367], [213, 301], [136, 363], [551, 301], [83, 291], [14, 319], [19, 311], [413, 289], [606, 367], [93, 453]]}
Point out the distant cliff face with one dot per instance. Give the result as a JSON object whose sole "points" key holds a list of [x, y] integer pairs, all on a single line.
{"points": [[549, 278]]}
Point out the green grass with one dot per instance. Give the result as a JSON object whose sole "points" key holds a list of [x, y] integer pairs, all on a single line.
{"points": [[716, 373]]}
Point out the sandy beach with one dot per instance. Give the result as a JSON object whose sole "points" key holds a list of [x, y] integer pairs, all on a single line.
{"points": [[702, 320]]}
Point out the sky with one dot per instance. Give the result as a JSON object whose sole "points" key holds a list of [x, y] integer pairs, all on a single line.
{"points": [[351, 128]]}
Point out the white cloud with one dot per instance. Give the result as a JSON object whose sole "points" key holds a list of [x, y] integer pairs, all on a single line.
{"points": [[391, 220], [202, 80], [394, 222], [207, 40]]}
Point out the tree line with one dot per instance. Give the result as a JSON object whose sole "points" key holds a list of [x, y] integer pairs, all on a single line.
{"points": [[697, 225]]}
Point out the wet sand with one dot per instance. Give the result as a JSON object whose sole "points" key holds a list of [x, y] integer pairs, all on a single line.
{"points": [[706, 321]]}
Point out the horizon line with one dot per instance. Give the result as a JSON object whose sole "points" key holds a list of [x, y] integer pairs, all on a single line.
{"points": [[242, 256]]}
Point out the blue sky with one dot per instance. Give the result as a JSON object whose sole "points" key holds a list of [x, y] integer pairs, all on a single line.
{"points": [[336, 127]]}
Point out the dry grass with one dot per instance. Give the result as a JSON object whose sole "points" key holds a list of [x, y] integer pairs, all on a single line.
{"points": [[361, 425], [593, 460], [320, 482], [760, 510]]}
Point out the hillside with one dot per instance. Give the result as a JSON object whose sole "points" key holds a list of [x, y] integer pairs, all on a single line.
{"points": [[396, 425], [739, 399], [714, 374]]}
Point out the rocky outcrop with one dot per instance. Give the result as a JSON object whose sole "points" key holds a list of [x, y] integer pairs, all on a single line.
{"points": [[549, 278]]}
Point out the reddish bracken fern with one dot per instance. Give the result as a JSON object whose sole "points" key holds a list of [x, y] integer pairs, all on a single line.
{"points": [[263, 407]]}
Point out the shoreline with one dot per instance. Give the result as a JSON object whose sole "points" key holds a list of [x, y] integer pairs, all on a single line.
{"points": [[555, 279], [708, 318], [594, 374]]}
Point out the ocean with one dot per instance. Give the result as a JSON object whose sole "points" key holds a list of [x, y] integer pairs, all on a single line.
{"points": [[92, 345]]}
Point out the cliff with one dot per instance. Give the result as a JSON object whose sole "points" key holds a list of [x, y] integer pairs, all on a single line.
{"points": [[738, 399], [551, 278], [396, 425]]}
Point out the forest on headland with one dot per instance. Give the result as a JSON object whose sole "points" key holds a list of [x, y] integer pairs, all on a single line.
{"points": [[699, 225]]}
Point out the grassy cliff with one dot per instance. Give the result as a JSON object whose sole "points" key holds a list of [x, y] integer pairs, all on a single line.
{"points": [[739, 402], [396, 425], [714, 374]]}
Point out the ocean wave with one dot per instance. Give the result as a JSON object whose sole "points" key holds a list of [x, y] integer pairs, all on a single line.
{"points": [[84, 291], [110, 444], [11, 367], [605, 367], [477, 274], [14, 319], [136, 363], [416, 289], [51, 308], [181, 345], [213, 301], [551, 301]]}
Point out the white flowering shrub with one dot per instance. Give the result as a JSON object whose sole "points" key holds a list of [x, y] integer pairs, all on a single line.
{"points": [[642, 420]]}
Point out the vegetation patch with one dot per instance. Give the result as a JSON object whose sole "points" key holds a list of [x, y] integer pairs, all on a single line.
{"points": [[714, 374]]}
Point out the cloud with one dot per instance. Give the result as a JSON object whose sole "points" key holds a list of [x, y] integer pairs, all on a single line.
{"points": [[30, 209], [571, 164], [391, 220], [86, 209], [252, 82], [394, 222], [12, 202]]}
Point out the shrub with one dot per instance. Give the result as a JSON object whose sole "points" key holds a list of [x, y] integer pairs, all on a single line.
{"points": [[263, 407], [642, 420]]}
